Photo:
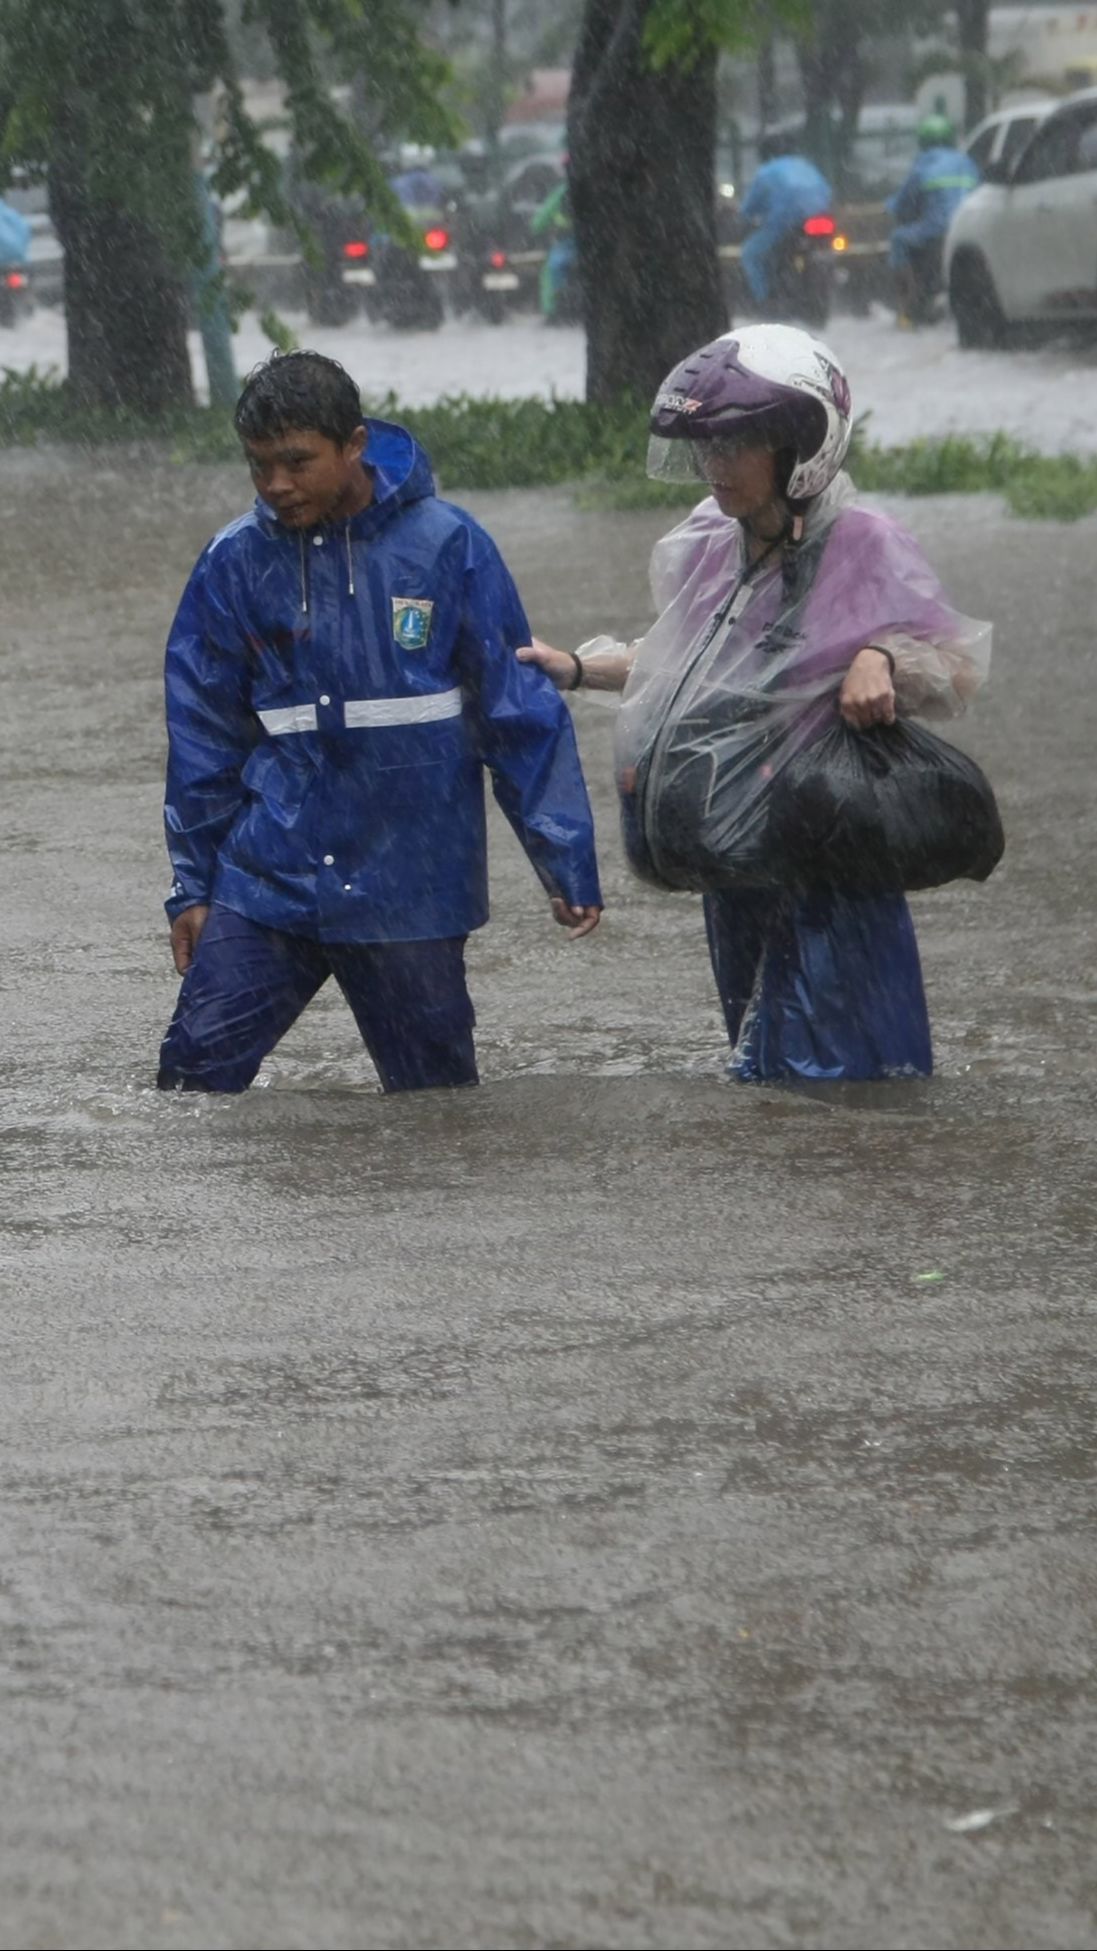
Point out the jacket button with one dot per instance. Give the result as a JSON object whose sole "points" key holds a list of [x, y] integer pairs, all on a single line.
{"points": [[347, 887], [329, 860], [317, 541], [324, 699]]}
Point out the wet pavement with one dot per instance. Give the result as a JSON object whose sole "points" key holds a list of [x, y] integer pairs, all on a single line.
{"points": [[614, 1508]]}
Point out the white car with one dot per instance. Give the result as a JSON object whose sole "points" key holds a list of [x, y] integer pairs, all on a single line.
{"points": [[1000, 137], [1022, 248]]}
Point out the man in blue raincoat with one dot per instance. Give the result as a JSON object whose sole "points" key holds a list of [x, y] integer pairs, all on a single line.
{"points": [[340, 671], [785, 192], [923, 207]]}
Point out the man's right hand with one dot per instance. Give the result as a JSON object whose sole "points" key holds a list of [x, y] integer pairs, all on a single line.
{"points": [[185, 930]]}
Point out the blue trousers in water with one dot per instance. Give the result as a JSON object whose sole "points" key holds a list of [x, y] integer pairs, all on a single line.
{"points": [[826, 986], [248, 984], [758, 253]]}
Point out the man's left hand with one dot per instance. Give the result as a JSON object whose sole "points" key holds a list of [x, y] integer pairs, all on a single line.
{"points": [[578, 921], [868, 694]]}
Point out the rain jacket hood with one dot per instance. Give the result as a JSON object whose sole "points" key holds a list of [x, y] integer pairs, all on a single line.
{"points": [[401, 474], [333, 696]]}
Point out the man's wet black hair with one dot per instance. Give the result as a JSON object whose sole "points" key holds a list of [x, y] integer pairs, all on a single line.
{"points": [[298, 389]]}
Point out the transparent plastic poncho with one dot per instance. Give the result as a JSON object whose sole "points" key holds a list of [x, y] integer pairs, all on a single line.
{"points": [[740, 673]]}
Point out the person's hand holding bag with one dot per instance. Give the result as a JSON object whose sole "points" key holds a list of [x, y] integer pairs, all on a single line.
{"points": [[867, 696]]}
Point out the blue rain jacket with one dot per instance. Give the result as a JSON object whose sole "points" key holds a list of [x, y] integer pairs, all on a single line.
{"points": [[784, 192], [15, 235], [926, 203], [332, 698]]}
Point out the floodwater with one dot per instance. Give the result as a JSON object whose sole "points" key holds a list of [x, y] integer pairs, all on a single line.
{"points": [[613, 1508]]}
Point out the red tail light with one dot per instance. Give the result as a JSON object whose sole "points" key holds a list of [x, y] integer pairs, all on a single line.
{"points": [[15, 280], [356, 248], [819, 227], [436, 240], [498, 260]]}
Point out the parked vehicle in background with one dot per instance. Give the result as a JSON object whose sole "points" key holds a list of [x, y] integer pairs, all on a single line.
{"points": [[1022, 249], [484, 281], [1000, 138], [409, 283]]}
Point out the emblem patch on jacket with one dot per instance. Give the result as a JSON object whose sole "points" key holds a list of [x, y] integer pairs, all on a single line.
{"points": [[411, 618]]}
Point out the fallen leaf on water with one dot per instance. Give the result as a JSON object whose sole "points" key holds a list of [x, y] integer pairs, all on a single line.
{"points": [[930, 1278]]}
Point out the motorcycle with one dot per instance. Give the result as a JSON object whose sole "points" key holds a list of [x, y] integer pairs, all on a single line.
{"points": [[488, 285], [800, 274], [484, 281], [397, 286], [16, 295]]}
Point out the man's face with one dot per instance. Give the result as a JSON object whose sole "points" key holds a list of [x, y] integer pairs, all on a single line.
{"points": [[305, 477]]}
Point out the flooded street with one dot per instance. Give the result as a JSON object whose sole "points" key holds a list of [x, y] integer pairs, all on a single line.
{"points": [[613, 1508]]}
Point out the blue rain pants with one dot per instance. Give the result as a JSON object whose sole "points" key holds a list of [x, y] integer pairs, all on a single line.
{"points": [[825, 986], [248, 984], [759, 251]]}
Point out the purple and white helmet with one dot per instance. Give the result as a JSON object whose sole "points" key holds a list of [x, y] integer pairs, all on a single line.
{"points": [[768, 385]]}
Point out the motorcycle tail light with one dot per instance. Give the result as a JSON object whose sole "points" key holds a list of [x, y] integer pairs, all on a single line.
{"points": [[839, 243], [15, 280], [819, 226], [498, 260], [356, 248], [436, 240]]}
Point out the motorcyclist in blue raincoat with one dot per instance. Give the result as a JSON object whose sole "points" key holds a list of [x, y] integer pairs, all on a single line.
{"points": [[15, 235], [923, 207], [785, 192], [340, 671]]}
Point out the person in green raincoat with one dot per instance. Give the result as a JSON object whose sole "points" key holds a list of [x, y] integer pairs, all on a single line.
{"points": [[553, 221]]}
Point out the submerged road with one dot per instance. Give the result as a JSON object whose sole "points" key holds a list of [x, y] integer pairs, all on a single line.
{"points": [[613, 1508]]}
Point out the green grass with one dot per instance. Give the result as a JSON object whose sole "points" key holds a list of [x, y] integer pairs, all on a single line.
{"points": [[533, 443]]}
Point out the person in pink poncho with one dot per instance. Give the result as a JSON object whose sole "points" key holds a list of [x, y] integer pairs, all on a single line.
{"points": [[782, 602]]}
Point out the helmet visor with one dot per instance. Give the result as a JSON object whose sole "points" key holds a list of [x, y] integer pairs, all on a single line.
{"points": [[699, 461]]}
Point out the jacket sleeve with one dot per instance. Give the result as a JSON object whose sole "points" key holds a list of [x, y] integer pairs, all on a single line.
{"points": [[906, 203], [211, 731], [896, 603], [524, 732]]}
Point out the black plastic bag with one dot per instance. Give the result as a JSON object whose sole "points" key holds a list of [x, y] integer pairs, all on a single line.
{"points": [[888, 810], [671, 842]]}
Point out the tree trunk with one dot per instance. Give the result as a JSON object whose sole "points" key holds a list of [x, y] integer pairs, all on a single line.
{"points": [[832, 71], [642, 192], [767, 82], [973, 19], [125, 306]]}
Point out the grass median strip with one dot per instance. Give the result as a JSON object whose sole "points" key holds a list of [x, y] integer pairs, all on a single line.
{"points": [[536, 443]]}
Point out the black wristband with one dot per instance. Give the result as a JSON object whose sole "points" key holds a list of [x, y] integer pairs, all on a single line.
{"points": [[883, 653], [578, 678]]}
